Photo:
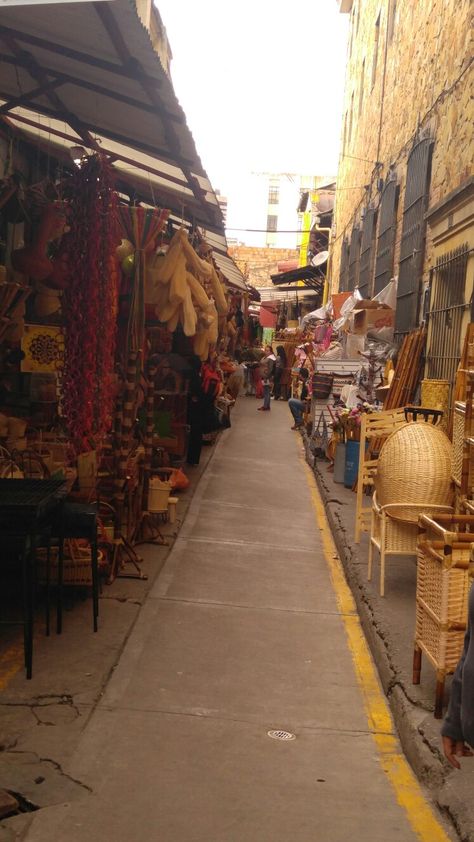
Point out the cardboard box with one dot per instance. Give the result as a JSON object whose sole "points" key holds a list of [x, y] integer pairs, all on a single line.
{"points": [[338, 299], [370, 316]]}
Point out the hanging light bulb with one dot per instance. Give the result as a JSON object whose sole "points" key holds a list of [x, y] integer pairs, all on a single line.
{"points": [[77, 153]]}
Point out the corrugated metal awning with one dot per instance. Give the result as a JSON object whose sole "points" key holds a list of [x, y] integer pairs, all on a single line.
{"points": [[91, 68], [308, 274], [87, 75], [295, 294]]}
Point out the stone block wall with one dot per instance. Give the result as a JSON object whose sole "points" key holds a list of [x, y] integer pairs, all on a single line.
{"points": [[423, 81], [257, 264]]}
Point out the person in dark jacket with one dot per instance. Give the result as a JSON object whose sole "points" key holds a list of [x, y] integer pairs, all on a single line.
{"points": [[280, 365], [458, 726], [297, 405], [267, 368]]}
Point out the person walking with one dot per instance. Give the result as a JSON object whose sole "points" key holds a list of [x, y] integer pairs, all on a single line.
{"points": [[267, 369], [280, 365], [457, 731], [297, 405]]}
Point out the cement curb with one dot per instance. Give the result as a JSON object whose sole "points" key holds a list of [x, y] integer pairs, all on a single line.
{"points": [[418, 736]]}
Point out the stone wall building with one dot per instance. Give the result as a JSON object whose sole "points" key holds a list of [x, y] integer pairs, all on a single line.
{"points": [[405, 193]]}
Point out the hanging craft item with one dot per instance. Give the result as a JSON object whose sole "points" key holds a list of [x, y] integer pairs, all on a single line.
{"points": [[33, 260], [43, 349], [176, 282], [140, 227], [12, 303], [90, 303]]}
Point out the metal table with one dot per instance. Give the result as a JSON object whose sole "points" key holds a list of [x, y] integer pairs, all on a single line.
{"points": [[27, 507]]}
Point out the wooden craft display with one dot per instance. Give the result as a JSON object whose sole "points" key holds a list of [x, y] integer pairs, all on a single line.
{"points": [[407, 372]]}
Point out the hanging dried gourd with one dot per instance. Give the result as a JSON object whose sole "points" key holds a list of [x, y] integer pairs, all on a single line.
{"points": [[90, 303]]}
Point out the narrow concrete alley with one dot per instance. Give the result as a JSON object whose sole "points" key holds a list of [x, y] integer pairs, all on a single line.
{"points": [[250, 628]]}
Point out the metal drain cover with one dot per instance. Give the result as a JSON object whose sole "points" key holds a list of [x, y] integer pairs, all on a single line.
{"points": [[281, 735]]}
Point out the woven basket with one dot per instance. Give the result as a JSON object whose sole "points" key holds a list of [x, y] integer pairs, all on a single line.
{"points": [[414, 467], [435, 395], [458, 439], [322, 385], [77, 567]]}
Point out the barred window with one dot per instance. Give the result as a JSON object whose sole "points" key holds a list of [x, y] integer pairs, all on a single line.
{"points": [[386, 235], [445, 316], [413, 236], [367, 252], [273, 195], [344, 267], [354, 257]]}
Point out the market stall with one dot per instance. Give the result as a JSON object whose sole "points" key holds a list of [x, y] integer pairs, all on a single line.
{"points": [[105, 305]]}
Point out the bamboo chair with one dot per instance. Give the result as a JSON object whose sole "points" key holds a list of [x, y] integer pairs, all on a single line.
{"points": [[391, 536], [444, 576], [374, 430]]}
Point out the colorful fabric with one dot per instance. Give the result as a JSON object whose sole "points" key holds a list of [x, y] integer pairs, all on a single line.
{"points": [[267, 335]]}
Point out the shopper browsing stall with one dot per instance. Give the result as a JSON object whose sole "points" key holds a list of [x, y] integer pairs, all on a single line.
{"points": [[297, 405], [280, 365], [267, 369]]}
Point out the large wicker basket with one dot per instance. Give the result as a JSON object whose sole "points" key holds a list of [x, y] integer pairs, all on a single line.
{"points": [[415, 467], [443, 582]]}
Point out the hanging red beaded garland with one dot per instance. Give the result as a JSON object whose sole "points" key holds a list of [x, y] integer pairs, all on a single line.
{"points": [[90, 303]]}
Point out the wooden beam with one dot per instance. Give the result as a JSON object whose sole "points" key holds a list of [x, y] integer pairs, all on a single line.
{"points": [[66, 78], [153, 151], [190, 204], [76, 55], [33, 94], [37, 73], [113, 156]]}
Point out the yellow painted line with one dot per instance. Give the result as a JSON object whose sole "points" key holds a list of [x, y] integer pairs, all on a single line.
{"points": [[400, 775], [11, 660]]}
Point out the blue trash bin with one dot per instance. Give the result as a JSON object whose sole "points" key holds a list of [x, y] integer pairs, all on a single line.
{"points": [[352, 463]]}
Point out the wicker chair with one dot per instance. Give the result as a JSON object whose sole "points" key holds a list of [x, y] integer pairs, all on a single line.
{"points": [[391, 536], [444, 576]]}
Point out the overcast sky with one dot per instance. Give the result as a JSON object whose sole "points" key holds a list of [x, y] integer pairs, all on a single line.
{"points": [[261, 84]]}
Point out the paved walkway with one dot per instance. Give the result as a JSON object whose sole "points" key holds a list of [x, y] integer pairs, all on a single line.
{"points": [[243, 633]]}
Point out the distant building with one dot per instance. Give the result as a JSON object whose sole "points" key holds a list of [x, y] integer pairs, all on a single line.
{"points": [[405, 188], [257, 264], [281, 209]]}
